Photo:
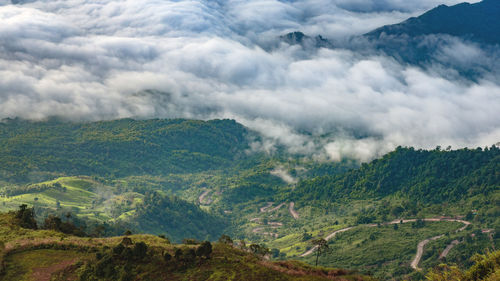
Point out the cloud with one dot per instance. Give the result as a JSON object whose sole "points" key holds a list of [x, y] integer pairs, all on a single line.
{"points": [[95, 60]]}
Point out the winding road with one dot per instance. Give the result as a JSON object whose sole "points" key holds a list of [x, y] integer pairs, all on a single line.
{"points": [[330, 236], [420, 251], [201, 198], [420, 246], [294, 214], [264, 209], [448, 248]]}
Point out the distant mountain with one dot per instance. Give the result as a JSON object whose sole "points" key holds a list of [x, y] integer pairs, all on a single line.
{"points": [[299, 38], [478, 22]]}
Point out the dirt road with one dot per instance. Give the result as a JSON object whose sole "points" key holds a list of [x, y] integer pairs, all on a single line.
{"points": [[421, 245], [448, 248], [420, 251], [294, 214], [330, 236], [201, 198]]}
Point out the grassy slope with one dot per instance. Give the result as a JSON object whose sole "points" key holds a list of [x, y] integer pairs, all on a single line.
{"points": [[96, 203], [23, 257], [83, 196]]}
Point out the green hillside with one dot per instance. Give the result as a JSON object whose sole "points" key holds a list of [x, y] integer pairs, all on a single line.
{"points": [[421, 175], [43, 255], [92, 203], [282, 201], [33, 151]]}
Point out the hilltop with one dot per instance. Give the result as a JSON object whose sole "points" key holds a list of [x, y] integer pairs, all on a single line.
{"points": [[478, 22], [138, 257]]}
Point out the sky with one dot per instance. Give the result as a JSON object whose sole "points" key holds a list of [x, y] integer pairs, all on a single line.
{"points": [[102, 59]]}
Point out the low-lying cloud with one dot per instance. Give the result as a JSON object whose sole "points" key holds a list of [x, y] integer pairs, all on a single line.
{"points": [[93, 60]]}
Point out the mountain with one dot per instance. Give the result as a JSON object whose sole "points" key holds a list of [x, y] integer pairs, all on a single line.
{"points": [[34, 151], [299, 38], [130, 174], [463, 39], [423, 176], [478, 22]]}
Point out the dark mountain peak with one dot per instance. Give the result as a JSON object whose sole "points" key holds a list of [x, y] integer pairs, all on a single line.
{"points": [[293, 38], [299, 38], [478, 22]]}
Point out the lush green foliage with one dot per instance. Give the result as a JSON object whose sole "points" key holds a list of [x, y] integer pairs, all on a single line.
{"points": [[486, 268], [228, 193], [422, 176], [175, 217], [31, 150]]}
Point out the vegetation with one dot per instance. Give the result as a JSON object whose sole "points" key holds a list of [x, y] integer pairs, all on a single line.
{"points": [[486, 268], [50, 255], [124, 147], [423, 176], [144, 188]]}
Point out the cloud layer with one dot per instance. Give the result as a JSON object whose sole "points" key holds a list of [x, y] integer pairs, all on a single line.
{"points": [[103, 59]]}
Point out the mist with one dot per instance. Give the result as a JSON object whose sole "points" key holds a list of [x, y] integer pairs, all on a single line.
{"points": [[100, 60]]}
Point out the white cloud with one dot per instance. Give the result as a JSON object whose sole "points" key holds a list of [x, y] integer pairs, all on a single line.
{"points": [[104, 59]]}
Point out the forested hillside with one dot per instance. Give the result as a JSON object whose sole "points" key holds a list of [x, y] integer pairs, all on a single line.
{"points": [[33, 151], [197, 179], [424, 176]]}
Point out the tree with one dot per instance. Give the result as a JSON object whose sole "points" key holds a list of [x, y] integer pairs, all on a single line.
{"points": [[26, 217], [188, 256], [224, 239], [259, 250], [178, 254], [140, 250], [127, 241], [243, 244], [321, 247], [204, 250], [167, 257]]}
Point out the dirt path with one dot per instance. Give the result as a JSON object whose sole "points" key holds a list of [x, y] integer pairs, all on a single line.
{"points": [[448, 249], [294, 214], [420, 251], [421, 245], [417, 258], [264, 209], [44, 273], [330, 236], [201, 199], [259, 230], [276, 208]]}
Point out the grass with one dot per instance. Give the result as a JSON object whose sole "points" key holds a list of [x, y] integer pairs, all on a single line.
{"points": [[21, 266], [26, 259], [83, 196]]}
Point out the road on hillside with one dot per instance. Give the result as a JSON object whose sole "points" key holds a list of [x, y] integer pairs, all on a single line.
{"points": [[448, 249], [420, 246], [294, 214], [330, 236], [420, 250], [201, 199]]}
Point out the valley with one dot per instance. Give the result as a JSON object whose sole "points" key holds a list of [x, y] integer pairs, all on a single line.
{"points": [[201, 140], [392, 231]]}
